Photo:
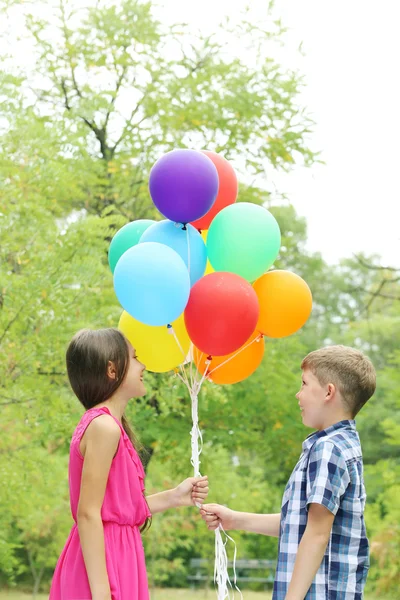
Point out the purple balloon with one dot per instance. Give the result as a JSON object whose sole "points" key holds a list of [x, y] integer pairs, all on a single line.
{"points": [[184, 185]]}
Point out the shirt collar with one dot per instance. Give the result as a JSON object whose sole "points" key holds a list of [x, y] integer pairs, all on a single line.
{"points": [[313, 437]]}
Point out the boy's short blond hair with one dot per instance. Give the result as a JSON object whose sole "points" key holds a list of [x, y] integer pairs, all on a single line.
{"points": [[348, 369]]}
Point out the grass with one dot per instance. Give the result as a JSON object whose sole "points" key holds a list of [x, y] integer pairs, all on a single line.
{"points": [[170, 594], [157, 594]]}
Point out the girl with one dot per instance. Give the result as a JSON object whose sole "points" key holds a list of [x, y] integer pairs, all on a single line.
{"points": [[103, 558]]}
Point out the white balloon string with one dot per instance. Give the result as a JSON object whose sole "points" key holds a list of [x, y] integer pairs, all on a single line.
{"points": [[196, 436], [192, 379], [221, 574], [183, 377], [188, 245], [234, 355], [177, 341], [189, 269], [234, 561]]}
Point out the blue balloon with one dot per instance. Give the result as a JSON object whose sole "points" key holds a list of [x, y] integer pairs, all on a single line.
{"points": [[173, 235], [152, 283]]}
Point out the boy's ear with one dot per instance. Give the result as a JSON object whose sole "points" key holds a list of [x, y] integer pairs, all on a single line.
{"points": [[330, 391]]}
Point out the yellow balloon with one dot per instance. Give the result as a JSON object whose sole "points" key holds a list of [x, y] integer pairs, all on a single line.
{"points": [[156, 347], [209, 268]]}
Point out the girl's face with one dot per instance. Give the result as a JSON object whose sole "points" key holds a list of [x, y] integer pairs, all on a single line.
{"points": [[133, 383]]}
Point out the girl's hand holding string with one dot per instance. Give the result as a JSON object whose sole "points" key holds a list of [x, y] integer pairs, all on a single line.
{"points": [[192, 491]]}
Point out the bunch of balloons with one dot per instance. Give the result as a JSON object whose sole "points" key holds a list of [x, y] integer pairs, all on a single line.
{"points": [[202, 274]]}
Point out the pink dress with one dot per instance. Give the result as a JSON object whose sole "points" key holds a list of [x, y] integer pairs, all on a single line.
{"points": [[124, 510]]}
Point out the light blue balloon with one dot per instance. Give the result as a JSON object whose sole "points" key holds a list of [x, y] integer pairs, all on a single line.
{"points": [[173, 235], [152, 283]]}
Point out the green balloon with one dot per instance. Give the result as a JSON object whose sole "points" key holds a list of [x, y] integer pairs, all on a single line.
{"points": [[128, 236], [243, 238]]}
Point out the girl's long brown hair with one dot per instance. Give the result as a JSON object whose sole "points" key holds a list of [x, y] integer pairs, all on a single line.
{"points": [[88, 355]]}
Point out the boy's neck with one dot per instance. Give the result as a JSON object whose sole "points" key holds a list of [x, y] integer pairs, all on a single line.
{"points": [[333, 419]]}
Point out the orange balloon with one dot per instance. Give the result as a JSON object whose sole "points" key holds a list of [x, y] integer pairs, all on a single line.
{"points": [[285, 303], [209, 268], [236, 369]]}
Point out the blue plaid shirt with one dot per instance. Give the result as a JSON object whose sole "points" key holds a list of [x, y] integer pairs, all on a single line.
{"points": [[329, 472]]}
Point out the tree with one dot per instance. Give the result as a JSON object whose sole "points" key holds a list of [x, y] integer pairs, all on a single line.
{"points": [[117, 90], [80, 130]]}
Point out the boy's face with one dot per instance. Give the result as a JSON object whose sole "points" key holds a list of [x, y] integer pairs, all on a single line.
{"points": [[311, 399]]}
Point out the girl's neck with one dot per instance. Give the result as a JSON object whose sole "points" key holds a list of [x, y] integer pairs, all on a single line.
{"points": [[115, 405]]}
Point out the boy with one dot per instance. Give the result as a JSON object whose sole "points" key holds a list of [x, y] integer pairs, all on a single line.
{"points": [[323, 548]]}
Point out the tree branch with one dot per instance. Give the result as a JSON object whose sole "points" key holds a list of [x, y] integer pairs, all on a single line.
{"points": [[117, 88], [127, 126], [65, 92], [14, 400], [374, 294], [10, 323], [374, 267], [67, 45], [50, 373]]}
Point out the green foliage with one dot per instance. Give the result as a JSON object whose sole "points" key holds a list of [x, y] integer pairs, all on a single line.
{"points": [[109, 91], [239, 482]]}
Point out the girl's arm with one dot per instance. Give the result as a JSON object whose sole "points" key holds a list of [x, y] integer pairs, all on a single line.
{"points": [[191, 491], [101, 442]]}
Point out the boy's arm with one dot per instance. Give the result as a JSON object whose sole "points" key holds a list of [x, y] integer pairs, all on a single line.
{"points": [[215, 515], [311, 551], [256, 523]]}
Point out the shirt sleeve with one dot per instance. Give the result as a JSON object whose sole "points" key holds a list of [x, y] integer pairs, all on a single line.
{"points": [[327, 476]]}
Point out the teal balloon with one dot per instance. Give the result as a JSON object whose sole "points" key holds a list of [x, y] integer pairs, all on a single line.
{"points": [[245, 239], [127, 237]]}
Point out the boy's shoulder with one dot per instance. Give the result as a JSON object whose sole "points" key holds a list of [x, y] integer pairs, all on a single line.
{"points": [[344, 442]]}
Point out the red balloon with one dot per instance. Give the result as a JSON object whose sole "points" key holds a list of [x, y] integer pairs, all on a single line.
{"points": [[227, 192], [222, 313]]}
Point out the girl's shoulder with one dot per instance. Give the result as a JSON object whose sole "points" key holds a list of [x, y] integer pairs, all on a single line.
{"points": [[100, 420]]}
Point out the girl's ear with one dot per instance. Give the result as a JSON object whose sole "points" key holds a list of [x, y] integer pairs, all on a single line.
{"points": [[111, 370]]}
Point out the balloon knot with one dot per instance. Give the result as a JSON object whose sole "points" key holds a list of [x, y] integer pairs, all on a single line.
{"points": [[184, 226]]}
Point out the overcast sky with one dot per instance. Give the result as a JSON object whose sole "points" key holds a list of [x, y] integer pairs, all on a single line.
{"points": [[352, 51], [351, 65]]}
